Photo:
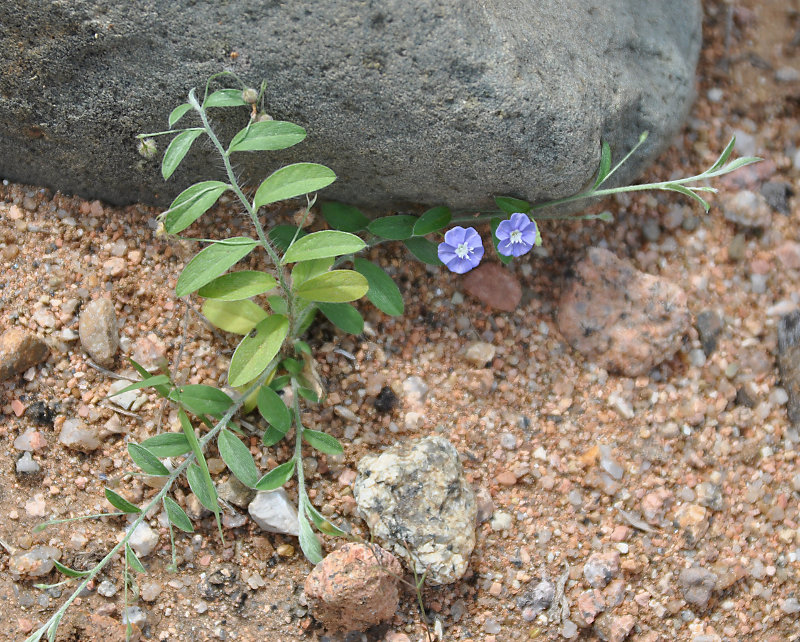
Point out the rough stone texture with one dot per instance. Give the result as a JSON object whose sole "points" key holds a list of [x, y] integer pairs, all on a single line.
{"points": [[36, 562], [99, 332], [494, 285], [350, 589], [624, 320], [709, 327], [78, 436], [789, 362], [414, 497], [697, 585], [601, 568], [274, 512], [19, 350], [143, 540], [746, 208], [427, 102]]}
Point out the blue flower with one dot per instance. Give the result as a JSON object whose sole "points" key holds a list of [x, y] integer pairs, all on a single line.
{"points": [[462, 249], [516, 235]]}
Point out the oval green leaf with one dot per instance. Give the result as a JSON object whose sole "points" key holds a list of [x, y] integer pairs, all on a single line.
{"points": [[305, 270], [191, 204], [168, 444], [293, 180], [178, 113], [336, 286], [177, 516], [178, 148], [209, 263], [69, 572], [202, 486], [424, 250], [237, 458], [238, 317], [283, 235], [344, 217], [146, 460], [344, 316], [120, 503], [395, 228], [277, 477], [254, 352], [238, 285], [321, 245], [201, 399], [433, 220], [273, 410], [383, 292], [267, 136], [132, 560], [323, 442], [309, 543], [225, 98], [512, 205]]}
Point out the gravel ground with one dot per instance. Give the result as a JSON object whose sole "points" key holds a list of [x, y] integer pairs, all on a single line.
{"points": [[664, 506]]}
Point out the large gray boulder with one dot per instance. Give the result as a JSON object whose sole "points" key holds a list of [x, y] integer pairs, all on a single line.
{"points": [[433, 101]]}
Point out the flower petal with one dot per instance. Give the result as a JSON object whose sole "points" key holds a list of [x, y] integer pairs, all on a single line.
{"points": [[455, 236]]}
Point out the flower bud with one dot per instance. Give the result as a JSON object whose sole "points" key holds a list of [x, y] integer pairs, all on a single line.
{"points": [[147, 148], [263, 117], [250, 96]]}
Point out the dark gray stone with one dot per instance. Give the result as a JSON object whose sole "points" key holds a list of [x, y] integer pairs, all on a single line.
{"points": [[425, 102], [709, 327], [789, 362]]}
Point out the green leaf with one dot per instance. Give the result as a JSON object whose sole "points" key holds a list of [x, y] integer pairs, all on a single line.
{"points": [[238, 317], [225, 98], [279, 383], [674, 187], [320, 522], [278, 305], [605, 165], [69, 572], [732, 166], [323, 442], [309, 543], [291, 181], [321, 245], [202, 486], [144, 383], [271, 436], [132, 560], [383, 292], [433, 220], [308, 394], [344, 316], [277, 477], [178, 113], [237, 458], [395, 228], [505, 260], [336, 286], [178, 148], [177, 516], [301, 347], [161, 389], [305, 270], [344, 217], [168, 444], [236, 286], [254, 352], [283, 235], [292, 366], [273, 410], [209, 263], [191, 204], [146, 460], [424, 250], [724, 156], [120, 503], [201, 399], [267, 136], [512, 205]]}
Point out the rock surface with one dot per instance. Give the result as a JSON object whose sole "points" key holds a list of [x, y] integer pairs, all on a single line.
{"points": [[789, 362], [428, 102], [414, 498], [624, 320], [20, 350], [78, 436], [494, 285], [350, 590], [99, 332], [274, 512]]}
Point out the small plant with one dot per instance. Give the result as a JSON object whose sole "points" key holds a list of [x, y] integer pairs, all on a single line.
{"points": [[272, 368]]}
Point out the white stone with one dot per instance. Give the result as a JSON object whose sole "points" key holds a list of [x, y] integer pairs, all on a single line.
{"points": [[274, 512], [143, 540]]}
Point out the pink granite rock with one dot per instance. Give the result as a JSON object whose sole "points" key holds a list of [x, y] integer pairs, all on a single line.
{"points": [[351, 590], [619, 318], [495, 286]]}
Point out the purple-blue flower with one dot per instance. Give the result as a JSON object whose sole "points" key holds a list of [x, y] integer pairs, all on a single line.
{"points": [[461, 250], [516, 235]]}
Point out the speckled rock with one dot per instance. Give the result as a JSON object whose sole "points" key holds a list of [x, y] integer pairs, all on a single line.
{"points": [[36, 562], [143, 540], [494, 285], [601, 568], [78, 436], [697, 585], [19, 350], [746, 208], [789, 362], [621, 319], [350, 590], [709, 327], [415, 495], [98, 331]]}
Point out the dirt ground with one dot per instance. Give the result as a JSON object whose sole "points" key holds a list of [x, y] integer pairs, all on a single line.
{"points": [[719, 427]]}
